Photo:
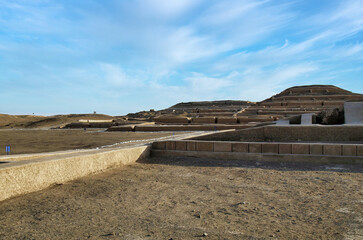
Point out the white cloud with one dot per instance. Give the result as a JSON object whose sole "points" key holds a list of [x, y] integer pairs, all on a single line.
{"points": [[114, 75], [226, 12], [167, 8], [235, 24], [183, 45], [349, 10], [172, 51], [343, 21], [200, 83], [258, 84]]}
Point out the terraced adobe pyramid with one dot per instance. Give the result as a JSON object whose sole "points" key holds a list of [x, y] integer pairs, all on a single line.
{"points": [[326, 102], [302, 99]]}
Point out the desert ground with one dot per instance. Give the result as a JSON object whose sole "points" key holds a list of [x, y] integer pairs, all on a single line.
{"points": [[36, 121], [191, 198], [37, 141]]}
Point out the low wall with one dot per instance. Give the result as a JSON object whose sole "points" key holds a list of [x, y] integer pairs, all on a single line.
{"points": [[227, 120], [291, 133], [172, 128], [217, 114], [204, 120], [288, 112], [246, 119], [271, 104], [300, 104], [90, 125], [179, 120], [320, 97], [333, 103], [101, 124], [254, 151], [127, 128], [22, 177], [215, 110], [94, 121]]}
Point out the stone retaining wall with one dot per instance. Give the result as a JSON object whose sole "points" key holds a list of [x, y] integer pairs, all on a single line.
{"points": [[227, 120], [26, 176], [215, 110], [299, 152], [180, 120], [252, 119], [204, 120], [263, 147], [171, 128], [292, 133], [319, 97]]}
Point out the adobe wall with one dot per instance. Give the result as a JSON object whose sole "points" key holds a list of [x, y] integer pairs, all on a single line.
{"points": [[171, 128], [321, 153], [227, 120], [227, 114], [100, 124], [253, 133], [125, 128], [318, 97], [314, 90], [281, 109], [336, 149], [94, 121], [180, 120], [333, 103], [272, 112], [314, 133], [203, 120], [89, 125], [26, 176], [246, 119], [77, 125], [214, 110]]}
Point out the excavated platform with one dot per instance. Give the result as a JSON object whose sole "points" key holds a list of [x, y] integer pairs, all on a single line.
{"points": [[190, 198], [24, 173]]}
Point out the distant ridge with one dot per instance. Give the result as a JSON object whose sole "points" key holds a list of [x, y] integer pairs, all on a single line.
{"points": [[211, 104], [314, 90], [34, 121], [290, 102]]}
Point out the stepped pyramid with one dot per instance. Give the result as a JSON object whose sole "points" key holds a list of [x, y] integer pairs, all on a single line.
{"points": [[302, 99]]}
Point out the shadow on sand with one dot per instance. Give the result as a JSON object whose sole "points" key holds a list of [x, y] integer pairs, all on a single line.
{"points": [[207, 162]]}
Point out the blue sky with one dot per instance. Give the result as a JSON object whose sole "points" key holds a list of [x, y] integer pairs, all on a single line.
{"points": [[116, 57]]}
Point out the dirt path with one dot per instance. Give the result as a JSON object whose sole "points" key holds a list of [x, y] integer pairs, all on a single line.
{"points": [[37, 141], [194, 199]]}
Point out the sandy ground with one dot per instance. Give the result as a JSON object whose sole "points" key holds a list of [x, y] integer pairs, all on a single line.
{"points": [[37, 141], [191, 198], [36, 121]]}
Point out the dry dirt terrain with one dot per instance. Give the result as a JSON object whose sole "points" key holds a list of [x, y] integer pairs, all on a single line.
{"points": [[36, 141], [35, 121], [191, 198]]}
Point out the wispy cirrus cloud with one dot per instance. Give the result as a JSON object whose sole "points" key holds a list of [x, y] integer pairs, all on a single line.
{"points": [[101, 53]]}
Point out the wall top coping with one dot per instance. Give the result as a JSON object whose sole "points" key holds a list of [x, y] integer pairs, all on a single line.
{"points": [[302, 143]]}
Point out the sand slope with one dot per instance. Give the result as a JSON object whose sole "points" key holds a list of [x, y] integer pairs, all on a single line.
{"points": [[31, 121]]}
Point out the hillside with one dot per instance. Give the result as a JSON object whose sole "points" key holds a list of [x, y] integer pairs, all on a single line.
{"points": [[211, 104], [303, 99], [31, 121], [290, 102]]}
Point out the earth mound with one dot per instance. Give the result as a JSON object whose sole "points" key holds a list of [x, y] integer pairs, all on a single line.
{"points": [[211, 104], [304, 99], [314, 90], [34, 121]]}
